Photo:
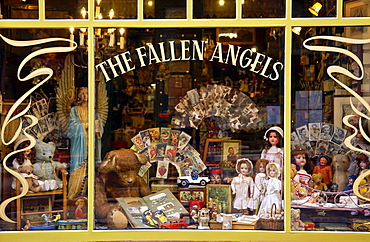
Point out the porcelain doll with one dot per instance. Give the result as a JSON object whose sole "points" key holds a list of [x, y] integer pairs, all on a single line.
{"points": [[274, 149], [303, 166], [273, 189], [242, 185], [325, 169], [259, 184]]}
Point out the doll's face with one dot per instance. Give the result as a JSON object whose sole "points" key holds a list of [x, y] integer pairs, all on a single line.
{"points": [[272, 172], [364, 165], [261, 168], [273, 138], [300, 160], [323, 161], [244, 169], [231, 150]]}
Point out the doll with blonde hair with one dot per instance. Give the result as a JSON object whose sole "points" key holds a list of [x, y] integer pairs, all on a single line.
{"points": [[259, 183]]}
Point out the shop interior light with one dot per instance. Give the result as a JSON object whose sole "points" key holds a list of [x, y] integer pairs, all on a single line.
{"points": [[315, 9], [297, 30], [111, 13], [150, 3], [221, 2]]}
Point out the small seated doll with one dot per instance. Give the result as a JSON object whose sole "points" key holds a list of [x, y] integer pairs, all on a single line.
{"points": [[325, 169], [349, 187], [80, 212]]}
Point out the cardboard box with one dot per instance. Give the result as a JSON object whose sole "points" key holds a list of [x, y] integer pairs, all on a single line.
{"points": [[236, 225]]}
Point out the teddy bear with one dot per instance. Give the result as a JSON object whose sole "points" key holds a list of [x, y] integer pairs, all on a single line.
{"points": [[45, 167], [27, 172], [317, 183], [296, 222], [340, 166], [118, 177]]}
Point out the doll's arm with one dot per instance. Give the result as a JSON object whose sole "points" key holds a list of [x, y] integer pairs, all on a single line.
{"points": [[330, 174], [252, 188]]}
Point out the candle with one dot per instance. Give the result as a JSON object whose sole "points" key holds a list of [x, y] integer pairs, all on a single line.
{"points": [[122, 39], [97, 11], [111, 13], [98, 31], [71, 36], [82, 36], [83, 12], [111, 39]]}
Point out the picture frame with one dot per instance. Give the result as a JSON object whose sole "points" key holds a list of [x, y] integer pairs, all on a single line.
{"points": [[186, 195], [342, 108], [357, 8], [230, 153], [219, 198]]}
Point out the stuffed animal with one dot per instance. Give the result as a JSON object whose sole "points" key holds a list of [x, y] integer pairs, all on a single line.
{"points": [[27, 172], [317, 182], [45, 167], [296, 223], [340, 166], [203, 218], [118, 178]]}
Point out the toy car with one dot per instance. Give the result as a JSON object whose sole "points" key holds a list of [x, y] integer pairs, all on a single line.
{"points": [[185, 181], [175, 224]]}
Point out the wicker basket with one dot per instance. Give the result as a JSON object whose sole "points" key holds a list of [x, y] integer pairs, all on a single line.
{"points": [[271, 223]]}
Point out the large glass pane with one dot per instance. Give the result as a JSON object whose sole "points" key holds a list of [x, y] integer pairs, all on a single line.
{"points": [[162, 9], [44, 130], [19, 9], [356, 8], [214, 9], [58, 9], [115, 9], [329, 136], [263, 9], [311, 9], [190, 114]]}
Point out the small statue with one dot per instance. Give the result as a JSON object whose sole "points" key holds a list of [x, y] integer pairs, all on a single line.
{"points": [[195, 213], [203, 218]]}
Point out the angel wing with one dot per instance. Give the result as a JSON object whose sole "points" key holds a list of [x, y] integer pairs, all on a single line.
{"points": [[102, 102], [65, 92]]}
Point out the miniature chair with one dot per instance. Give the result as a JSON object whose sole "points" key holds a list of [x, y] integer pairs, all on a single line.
{"points": [[50, 195]]}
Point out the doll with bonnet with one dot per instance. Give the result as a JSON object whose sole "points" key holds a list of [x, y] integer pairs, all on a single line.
{"points": [[242, 185], [274, 150], [273, 190]]}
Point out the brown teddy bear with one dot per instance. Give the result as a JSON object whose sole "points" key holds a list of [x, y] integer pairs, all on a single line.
{"points": [[317, 182], [27, 172], [118, 178]]}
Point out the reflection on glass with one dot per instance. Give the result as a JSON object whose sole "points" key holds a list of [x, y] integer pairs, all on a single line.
{"points": [[111, 9], [307, 8], [330, 165], [67, 9], [214, 9], [263, 9]]}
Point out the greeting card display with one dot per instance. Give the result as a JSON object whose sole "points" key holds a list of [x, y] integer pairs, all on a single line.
{"points": [[228, 107], [166, 146]]}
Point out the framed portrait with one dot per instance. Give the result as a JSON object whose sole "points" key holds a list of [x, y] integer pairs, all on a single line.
{"points": [[230, 153], [214, 146], [219, 197], [357, 8], [342, 108]]}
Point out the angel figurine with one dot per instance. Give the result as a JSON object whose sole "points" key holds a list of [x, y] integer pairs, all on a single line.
{"points": [[75, 123]]}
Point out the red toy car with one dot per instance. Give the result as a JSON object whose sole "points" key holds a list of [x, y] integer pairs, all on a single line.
{"points": [[175, 224]]}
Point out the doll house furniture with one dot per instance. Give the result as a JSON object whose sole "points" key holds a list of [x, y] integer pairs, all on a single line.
{"points": [[46, 195]]}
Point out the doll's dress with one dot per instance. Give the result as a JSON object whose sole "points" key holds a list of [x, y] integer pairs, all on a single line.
{"points": [[302, 177], [276, 156], [241, 185], [272, 196], [327, 173], [258, 195]]}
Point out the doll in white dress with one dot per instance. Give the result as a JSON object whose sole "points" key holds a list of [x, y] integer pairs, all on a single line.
{"points": [[274, 150], [303, 165], [273, 190], [259, 184], [242, 185]]}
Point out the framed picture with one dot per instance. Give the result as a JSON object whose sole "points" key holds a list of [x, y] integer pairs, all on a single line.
{"points": [[219, 198], [189, 194], [230, 153], [357, 8], [237, 36], [342, 108]]}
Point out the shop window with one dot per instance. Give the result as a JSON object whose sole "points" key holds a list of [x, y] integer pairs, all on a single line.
{"points": [[356, 9], [214, 9], [263, 9]]}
